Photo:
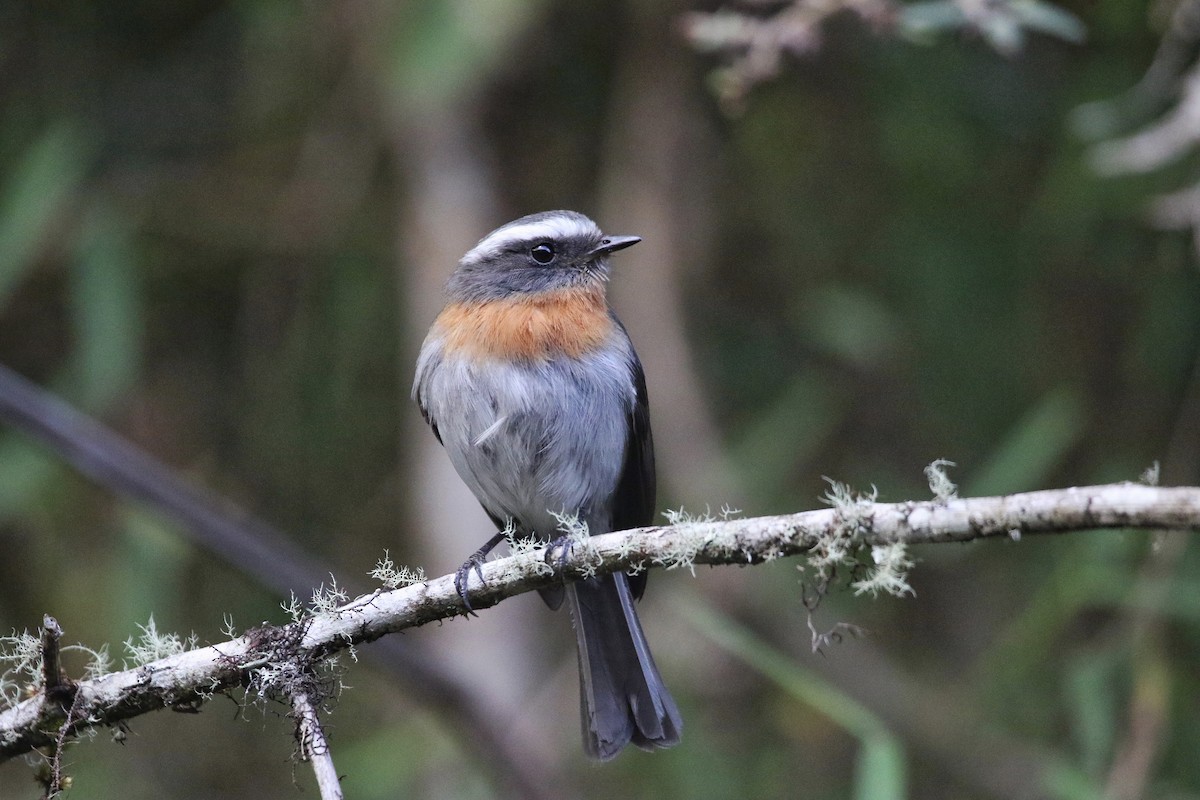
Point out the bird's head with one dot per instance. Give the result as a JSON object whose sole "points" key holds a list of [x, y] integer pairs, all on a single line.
{"points": [[548, 251]]}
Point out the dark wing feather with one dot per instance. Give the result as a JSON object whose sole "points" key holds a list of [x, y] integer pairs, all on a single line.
{"points": [[430, 422], [633, 501]]}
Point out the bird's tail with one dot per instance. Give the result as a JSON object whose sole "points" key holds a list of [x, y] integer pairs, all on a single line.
{"points": [[622, 696]]}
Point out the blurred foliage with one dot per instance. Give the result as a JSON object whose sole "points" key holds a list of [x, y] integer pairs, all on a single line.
{"points": [[910, 259], [880, 768]]}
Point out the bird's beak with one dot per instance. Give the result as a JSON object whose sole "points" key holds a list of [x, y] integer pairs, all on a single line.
{"points": [[611, 244]]}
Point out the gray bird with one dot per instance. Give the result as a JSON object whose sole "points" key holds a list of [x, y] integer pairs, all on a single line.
{"points": [[531, 384]]}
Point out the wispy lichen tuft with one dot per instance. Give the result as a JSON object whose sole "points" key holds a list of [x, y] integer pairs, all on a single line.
{"points": [[152, 645], [569, 524], [682, 516], [890, 572], [99, 662], [393, 576], [328, 599], [20, 666], [836, 547], [939, 480], [1151, 474], [293, 607]]}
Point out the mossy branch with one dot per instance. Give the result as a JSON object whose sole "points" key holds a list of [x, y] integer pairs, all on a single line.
{"points": [[263, 658]]}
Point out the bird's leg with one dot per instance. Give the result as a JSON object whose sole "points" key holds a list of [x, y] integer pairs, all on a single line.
{"points": [[463, 575]]}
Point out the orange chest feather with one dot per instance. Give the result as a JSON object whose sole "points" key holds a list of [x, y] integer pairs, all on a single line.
{"points": [[567, 322]]}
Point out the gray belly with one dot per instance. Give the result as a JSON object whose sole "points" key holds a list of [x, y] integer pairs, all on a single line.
{"points": [[531, 440]]}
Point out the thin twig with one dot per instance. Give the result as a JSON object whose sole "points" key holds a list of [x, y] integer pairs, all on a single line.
{"points": [[59, 694], [314, 747], [52, 675], [56, 782]]}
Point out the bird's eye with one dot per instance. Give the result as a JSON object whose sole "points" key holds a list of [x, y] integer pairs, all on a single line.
{"points": [[542, 253]]}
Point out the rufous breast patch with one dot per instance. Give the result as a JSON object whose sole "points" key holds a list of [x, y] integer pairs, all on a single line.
{"points": [[569, 322]]}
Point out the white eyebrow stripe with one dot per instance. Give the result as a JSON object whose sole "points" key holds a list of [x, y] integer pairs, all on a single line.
{"points": [[556, 228]]}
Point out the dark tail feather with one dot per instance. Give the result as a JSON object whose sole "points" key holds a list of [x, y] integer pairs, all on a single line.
{"points": [[622, 696]]}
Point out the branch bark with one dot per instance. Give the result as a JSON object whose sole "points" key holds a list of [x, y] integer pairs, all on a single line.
{"points": [[314, 747], [183, 680]]}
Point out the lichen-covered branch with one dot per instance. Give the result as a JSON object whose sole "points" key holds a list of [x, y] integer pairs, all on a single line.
{"points": [[263, 658]]}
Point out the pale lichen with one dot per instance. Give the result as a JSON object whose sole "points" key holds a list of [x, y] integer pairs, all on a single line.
{"points": [[392, 576], [837, 545], [20, 666], [889, 573], [99, 662], [328, 599], [940, 484], [151, 645]]}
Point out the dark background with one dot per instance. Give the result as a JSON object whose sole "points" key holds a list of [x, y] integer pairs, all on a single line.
{"points": [[223, 228]]}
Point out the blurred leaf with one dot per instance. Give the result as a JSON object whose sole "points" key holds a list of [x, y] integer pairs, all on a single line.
{"points": [[33, 194], [23, 471], [881, 771], [1066, 783], [1177, 597], [1000, 22], [1093, 704], [850, 323], [447, 44], [1033, 447], [107, 315], [921, 21], [1087, 571], [788, 433], [1050, 19], [396, 760], [153, 559], [1002, 32], [106, 307]]}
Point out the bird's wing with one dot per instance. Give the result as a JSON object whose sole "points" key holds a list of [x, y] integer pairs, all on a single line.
{"points": [[633, 501]]}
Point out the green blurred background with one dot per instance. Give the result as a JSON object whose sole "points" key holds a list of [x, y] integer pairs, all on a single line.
{"points": [[223, 229]]}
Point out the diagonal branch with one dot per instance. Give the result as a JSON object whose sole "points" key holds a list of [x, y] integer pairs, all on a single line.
{"points": [[183, 680]]}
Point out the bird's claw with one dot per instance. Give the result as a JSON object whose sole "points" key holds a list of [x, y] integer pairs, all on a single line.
{"points": [[462, 578], [558, 552]]}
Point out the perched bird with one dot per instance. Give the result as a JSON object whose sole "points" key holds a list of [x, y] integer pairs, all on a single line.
{"points": [[531, 384]]}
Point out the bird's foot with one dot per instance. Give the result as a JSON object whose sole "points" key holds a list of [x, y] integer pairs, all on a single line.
{"points": [[558, 552], [462, 576]]}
